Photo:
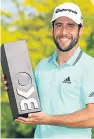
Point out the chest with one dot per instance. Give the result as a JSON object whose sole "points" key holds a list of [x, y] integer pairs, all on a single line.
{"points": [[66, 81]]}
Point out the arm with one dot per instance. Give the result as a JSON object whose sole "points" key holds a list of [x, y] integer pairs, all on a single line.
{"points": [[83, 118]]}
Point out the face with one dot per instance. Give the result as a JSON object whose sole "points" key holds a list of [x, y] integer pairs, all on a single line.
{"points": [[65, 33]]}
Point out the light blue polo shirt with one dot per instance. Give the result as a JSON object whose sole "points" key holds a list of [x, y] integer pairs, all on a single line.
{"points": [[63, 90]]}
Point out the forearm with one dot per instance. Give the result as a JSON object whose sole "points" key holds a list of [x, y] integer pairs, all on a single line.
{"points": [[82, 118]]}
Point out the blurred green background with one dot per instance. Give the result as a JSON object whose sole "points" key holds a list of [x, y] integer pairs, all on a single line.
{"points": [[30, 20]]}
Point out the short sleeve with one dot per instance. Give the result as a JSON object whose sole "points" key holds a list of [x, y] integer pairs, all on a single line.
{"points": [[88, 85]]}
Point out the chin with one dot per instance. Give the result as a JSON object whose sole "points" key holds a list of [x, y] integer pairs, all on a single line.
{"points": [[64, 47]]}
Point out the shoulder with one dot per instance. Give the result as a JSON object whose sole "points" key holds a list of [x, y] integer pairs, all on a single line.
{"points": [[42, 64], [88, 61], [88, 57], [88, 65]]}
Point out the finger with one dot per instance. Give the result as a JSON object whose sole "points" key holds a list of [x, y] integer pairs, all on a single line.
{"points": [[31, 121], [5, 88], [31, 115], [24, 119], [34, 114], [5, 82], [3, 77], [19, 121], [28, 120]]}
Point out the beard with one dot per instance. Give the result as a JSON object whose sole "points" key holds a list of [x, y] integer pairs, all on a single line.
{"points": [[69, 46]]}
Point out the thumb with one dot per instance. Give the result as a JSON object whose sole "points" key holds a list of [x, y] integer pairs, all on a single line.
{"points": [[30, 114]]}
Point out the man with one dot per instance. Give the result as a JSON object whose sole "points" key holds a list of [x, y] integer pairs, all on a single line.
{"points": [[65, 82]]}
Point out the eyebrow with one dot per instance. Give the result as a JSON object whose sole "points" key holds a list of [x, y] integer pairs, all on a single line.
{"points": [[59, 23], [71, 24]]}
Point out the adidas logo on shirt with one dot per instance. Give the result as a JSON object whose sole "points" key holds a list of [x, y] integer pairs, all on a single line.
{"points": [[67, 80]]}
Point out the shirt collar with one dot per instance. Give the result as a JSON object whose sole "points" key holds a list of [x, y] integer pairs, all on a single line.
{"points": [[73, 59]]}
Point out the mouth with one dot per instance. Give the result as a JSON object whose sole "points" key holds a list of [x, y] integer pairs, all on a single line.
{"points": [[63, 40]]}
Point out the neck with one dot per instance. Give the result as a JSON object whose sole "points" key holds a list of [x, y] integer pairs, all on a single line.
{"points": [[65, 56]]}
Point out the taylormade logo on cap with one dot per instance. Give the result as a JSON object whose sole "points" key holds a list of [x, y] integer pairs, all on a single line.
{"points": [[69, 10]]}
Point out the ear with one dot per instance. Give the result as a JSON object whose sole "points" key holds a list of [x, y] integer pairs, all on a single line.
{"points": [[81, 31]]}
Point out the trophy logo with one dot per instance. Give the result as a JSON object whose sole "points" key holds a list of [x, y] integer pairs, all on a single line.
{"points": [[24, 80], [25, 94]]}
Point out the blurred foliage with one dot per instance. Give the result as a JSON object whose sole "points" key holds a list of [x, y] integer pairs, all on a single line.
{"points": [[93, 133], [12, 129], [35, 28]]}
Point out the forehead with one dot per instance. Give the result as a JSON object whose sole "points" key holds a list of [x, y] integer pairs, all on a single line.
{"points": [[64, 19]]}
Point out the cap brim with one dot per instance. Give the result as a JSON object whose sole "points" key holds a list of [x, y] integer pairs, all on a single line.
{"points": [[74, 18]]}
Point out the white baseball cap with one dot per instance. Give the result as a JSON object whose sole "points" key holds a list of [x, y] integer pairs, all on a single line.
{"points": [[69, 10]]}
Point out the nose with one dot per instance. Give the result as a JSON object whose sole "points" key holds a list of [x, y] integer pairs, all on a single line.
{"points": [[63, 30]]}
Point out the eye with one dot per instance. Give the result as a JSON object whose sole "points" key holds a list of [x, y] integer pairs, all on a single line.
{"points": [[58, 25], [71, 25]]}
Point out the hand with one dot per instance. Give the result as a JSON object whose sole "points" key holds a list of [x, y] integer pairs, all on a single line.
{"points": [[35, 118], [4, 82]]}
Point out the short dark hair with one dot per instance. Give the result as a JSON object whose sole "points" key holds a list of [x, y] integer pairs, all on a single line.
{"points": [[79, 26], [53, 23]]}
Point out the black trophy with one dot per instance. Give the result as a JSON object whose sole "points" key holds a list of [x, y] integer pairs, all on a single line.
{"points": [[17, 69]]}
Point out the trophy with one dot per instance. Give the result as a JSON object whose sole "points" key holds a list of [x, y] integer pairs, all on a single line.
{"points": [[17, 68]]}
